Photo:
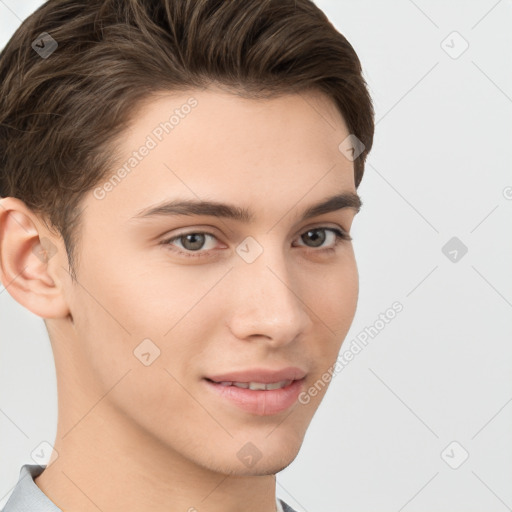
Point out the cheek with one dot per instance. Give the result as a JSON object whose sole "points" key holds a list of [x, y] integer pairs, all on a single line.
{"points": [[132, 313], [333, 306], [110, 317], [333, 296]]}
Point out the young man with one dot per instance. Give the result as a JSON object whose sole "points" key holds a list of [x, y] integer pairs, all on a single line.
{"points": [[178, 182]]}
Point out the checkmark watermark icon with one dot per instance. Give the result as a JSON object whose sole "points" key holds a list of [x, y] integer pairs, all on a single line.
{"points": [[44, 45], [454, 45], [455, 455]]}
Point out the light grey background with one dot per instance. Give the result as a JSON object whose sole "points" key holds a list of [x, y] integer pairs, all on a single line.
{"points": [[441, 371]]}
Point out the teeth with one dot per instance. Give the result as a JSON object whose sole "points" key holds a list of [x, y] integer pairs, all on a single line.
{"points": [[257, 385], [244, 385], [277, 385]]}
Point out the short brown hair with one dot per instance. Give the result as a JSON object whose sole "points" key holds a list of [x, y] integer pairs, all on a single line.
{"points": [[60, 115]]}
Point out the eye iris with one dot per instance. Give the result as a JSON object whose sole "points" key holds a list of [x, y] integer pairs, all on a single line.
{"points": [[318, 240], [195, 244]]}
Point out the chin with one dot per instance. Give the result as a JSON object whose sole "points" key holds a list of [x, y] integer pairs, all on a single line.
{"points": [[262, 468], [272, 469], [269, 458]]}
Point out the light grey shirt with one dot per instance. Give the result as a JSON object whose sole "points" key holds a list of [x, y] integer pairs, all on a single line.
{"points": [[27, 497]]}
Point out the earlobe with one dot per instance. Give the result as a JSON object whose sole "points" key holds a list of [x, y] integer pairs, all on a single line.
{"points": [[27, 261]]}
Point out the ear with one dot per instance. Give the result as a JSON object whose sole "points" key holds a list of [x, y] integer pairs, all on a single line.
{"points": [[31, 261]]}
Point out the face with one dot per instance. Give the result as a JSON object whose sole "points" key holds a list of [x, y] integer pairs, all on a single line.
{"points": [[177, 304]]}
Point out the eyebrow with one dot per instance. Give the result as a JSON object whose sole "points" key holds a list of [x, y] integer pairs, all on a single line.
{"points": [[228, 211]]}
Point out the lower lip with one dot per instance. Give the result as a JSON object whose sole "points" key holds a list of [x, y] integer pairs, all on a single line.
{"points": [[260, 402]]}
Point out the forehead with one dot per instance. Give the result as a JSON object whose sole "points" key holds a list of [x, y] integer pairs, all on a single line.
{"points": [[210, 144]]}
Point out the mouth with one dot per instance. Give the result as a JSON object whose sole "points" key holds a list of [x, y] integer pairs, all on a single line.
{"points": [[255, 386], [263, 393], [259, 376]]}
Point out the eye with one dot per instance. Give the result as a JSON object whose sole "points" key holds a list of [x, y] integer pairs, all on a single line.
{"points": [[192, 243], [337, 236]]}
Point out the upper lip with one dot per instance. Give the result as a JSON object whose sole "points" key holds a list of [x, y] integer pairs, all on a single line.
{"points": [[263, 375]]}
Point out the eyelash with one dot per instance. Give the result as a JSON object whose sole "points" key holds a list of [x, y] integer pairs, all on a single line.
{"points": [[341, 236]]}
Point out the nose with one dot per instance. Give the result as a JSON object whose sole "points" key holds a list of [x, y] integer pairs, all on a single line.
{"points": [[268, 300]]}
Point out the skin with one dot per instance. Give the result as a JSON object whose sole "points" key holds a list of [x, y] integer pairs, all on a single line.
{"points": [[153, 433]]}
